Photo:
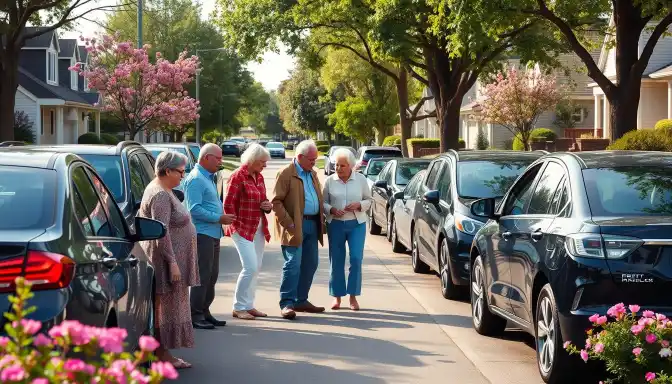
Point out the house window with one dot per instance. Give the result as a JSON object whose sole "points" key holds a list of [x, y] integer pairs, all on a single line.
{"points": [[578, 115], [51, 67], [51, 121]]}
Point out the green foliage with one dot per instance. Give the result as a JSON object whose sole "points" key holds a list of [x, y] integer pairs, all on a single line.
{"points": [[537, 133], [664, 125], [563, 114], [424, 143], [482, 142], [215, 137], [321, 142], [23, 128], [392, 140], [89, 138], [461, 143], [323, 148], [644, 140], [107, 138]]}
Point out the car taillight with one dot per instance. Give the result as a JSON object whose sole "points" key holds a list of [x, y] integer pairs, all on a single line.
{"points": [[44, 270], [601, 246]]}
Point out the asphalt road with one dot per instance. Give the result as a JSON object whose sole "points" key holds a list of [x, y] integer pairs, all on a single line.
{"points": [[405, 333]]}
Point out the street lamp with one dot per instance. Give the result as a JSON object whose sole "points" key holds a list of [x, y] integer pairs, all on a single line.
{"points": [[198, 83]]}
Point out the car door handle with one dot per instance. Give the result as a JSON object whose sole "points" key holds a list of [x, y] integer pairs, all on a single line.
{"points": [[536, 235], [506, 235], [133, 261], [109, 262]]}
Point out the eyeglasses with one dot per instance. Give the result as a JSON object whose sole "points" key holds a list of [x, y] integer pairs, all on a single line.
{"points": [[342, 165], [181, 171]]}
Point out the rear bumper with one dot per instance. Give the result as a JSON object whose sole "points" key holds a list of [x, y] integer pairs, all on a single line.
{"points": [[49, 307]]}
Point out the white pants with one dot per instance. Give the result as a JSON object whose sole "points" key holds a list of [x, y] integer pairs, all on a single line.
{"points": [[251, 254]]}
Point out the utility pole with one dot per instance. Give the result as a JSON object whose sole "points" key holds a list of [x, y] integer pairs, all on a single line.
{"points": [[139, 23]]}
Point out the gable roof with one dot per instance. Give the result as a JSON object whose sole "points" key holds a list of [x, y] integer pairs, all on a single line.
{"points": [[42, 90], [68, 47], [42, 41]]}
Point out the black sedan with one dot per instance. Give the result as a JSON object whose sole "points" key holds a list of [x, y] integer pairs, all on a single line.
{"points": [[403, 210], [61, 228], [575, 234], [392, 179], [230, 148]]}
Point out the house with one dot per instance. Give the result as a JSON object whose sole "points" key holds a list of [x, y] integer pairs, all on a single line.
{"points": [[54, 98]]}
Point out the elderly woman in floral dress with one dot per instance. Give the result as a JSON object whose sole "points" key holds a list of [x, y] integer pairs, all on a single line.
{"points": [[173, 258]]}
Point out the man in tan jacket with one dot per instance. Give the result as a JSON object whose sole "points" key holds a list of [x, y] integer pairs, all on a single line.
{"points": [[298, 223]]}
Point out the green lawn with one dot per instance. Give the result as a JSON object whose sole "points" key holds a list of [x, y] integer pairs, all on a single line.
{"points": [[319, 164], [229, 166]]}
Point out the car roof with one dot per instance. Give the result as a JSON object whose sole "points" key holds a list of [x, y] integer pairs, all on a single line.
{"points": [[494, 155], [386, 159], [598, 159], [87, 149], [166, 145], [374, 147], [27, 157]]}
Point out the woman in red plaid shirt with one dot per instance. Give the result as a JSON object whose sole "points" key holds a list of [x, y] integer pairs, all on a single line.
{"points": [[246, 200]]}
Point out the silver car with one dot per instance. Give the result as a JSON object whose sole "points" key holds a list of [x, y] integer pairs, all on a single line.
{"points": [[330, 161]]}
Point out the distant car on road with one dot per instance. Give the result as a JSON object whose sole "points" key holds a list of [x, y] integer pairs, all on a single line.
{"points": [[330, 161], [276, 149], [156, 148], [366, 153], [61, 229], [373, 169], [230, 148]]}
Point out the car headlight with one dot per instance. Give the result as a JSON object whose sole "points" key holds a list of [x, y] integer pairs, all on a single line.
{"points": [[466, 224]]}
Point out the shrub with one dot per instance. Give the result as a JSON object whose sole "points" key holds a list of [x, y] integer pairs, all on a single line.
{"points": [[323, 148], [643, 140], [107, 138], [537, 133], [71, 352], [587, 136], [635, 346], [482, 142], [392, 140], [664, 125], [89, 138], [23, 128], [461, 143], [321, 142], [424, 143]]}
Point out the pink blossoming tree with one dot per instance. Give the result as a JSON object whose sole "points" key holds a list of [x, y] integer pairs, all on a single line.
{"points": [[516, 99], [142, 94]]}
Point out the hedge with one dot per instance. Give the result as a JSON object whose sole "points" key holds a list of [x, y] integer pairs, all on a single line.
{"points": [[664, 125], [321, 142], [391, 140], [644, 140], [109, 139], [536, 133], [89, 138], [425, 143], [323, 148]]}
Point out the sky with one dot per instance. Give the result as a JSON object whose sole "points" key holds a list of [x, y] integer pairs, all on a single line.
{"points": [[270, 72]]}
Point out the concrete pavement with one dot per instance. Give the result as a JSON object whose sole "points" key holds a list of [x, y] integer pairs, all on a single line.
{"points": [[405, 333]]}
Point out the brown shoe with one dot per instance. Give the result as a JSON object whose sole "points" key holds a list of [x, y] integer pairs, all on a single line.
{"points": [[243, 315], [288, 313], [256, 313], [309, 307]]}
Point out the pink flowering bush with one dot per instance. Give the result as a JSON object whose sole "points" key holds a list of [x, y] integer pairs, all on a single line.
{"points": [[71, 352], [141, 94], [634, 345]]}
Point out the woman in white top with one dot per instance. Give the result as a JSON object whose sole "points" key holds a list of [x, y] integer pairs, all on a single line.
{"points": [[347, 197]]}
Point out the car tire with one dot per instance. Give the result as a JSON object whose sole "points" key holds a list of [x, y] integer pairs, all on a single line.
{"points": [[419, 266], [397, 247], [485, 322], [552, 360], [374, 229], [449, 290], [388, 230]]}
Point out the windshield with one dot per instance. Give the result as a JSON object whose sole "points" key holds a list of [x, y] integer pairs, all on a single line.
{"points": [[156, 150], [195, 150], [109, 168], [275, 145], [484, 179], [406, 171], [645, 191], [27, 198], [373, 153]]}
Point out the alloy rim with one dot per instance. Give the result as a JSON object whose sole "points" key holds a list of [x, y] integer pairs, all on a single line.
{"points": [[389, 225], [545, 336], [394, 233], [414, 251], [477, 295], [444, 266]]}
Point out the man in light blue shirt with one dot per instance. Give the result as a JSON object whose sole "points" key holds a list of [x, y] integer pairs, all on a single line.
{"points": [[207, 214], [312, 206]]}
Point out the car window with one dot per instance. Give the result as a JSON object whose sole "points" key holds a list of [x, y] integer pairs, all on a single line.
{"points": [[147, 164], [138, 182], [432, 178], [521, 193], [110, 169], [375, 168], [115, 226], [406, 171], [488, 178], [94, 210], [560, 204], [411, 187], [27, 198], [443, 184], [389, 172], [373, 153], [195, 150], [541, 200]]}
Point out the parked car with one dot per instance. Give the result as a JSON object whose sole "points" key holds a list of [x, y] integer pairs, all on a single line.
{"points": [[12, 144], [443, 226], [61, 229], [126, 168], [366, 153], [241, 141], [276, 149], [403, 210], [330, 161], [195, 149], [373, 169], [156, 148], [575, 234], [392, 179], [231, 148]]}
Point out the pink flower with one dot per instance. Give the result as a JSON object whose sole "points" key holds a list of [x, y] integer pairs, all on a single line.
{"points": [[140, 378], [660, 317], [648, 313], [637, 351], [637, 329], [164, 369], [617, 310], [4, 341], [593, 318], [30, 327], [76, 365], [13, 373], [634, 308], [7, 360], [599, 348], [41, 340], [601, 320], [665, 343], [566, 344], [650, 376], [39, 381], [651, 338], [584, 355], [148, 343]]}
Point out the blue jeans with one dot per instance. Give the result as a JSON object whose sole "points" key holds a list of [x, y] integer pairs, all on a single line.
{"points": [[299, 268], [354, 233]]}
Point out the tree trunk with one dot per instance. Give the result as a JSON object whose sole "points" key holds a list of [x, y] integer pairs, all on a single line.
{"points": [[624, 106], [8, 84], [448, 119], [404, 120]]}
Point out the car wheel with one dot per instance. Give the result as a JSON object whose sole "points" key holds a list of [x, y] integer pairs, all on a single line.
{"points": [[485, 322], [552, 360], [419, 266], [388, 231], [374, 228], [448, 289], [396, 244]]}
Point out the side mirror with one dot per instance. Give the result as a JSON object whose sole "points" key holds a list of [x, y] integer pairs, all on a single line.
{"points": [[399, 195], [484, 208], [380, 184], [148, 229], [432, 197], [136, 204]]}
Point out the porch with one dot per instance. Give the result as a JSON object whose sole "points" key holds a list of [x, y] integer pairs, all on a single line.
{"points": [[64, 123]]}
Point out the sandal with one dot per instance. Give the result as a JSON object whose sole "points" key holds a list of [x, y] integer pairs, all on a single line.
{"points": [[243, 315], [180, 364]]}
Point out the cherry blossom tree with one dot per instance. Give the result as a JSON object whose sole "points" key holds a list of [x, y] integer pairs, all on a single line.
{"points": [[142, 94], [517, 98]]}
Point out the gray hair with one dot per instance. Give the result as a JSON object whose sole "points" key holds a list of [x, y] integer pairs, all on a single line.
{"points": [[345, 153], [253, 153], [208, 149], [169, 160], [305, 146]]}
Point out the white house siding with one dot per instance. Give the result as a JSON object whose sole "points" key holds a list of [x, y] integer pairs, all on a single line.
{"points": [[28, 106], [652, 104], [610, 65], [48, 131]]}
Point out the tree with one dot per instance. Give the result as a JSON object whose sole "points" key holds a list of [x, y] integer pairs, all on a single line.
{"points": [[14, 16], [577, 19], [516, 99], [23, 128], [140, 94]]}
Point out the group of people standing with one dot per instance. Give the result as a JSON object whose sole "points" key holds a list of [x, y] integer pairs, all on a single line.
{"points": [[186, 260]]}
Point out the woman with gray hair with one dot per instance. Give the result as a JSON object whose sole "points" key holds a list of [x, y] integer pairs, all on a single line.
{"points": [[347, 197], [246, 200], [173, 258]]}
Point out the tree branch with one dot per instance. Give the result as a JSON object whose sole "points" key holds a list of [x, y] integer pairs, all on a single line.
{"points": [[417, 76], [422, 117], [373, 63]]}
